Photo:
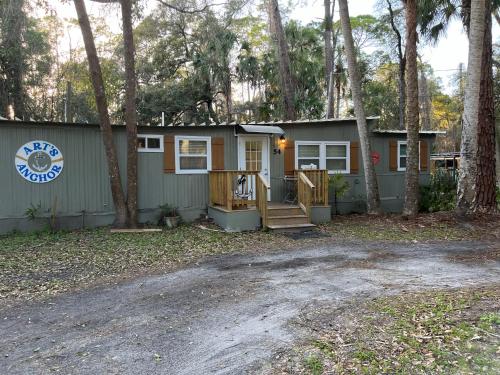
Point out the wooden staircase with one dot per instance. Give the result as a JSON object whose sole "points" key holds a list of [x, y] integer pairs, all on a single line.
{"points": [[287, 218]]}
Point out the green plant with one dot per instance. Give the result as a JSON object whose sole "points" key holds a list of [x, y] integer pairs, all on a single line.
{"points": [[339, 184], [498, 196], [168, 210], [33, 211], [340, 187], [440, 194], [314, 364]]}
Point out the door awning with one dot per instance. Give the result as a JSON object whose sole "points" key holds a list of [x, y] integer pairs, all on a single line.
{"points": [[261, 129]]}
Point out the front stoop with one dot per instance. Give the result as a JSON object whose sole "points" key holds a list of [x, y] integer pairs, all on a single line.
{"points": [[288, 219]]}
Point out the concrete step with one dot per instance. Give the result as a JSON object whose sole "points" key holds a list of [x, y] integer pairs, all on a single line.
{"points": [[288, 220], [291, 227]]}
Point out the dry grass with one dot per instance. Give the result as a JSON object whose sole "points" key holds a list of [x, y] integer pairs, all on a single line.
{"points": [[444, 332], [44, 263]]}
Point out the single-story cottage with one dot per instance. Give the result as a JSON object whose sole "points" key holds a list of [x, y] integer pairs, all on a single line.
{"points": [[244, 176]]}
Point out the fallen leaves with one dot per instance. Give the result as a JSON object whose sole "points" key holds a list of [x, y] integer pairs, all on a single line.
{"points": [[419, 333]]}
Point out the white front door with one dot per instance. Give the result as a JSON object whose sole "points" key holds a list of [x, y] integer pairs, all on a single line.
{"points": [[253, 155]]}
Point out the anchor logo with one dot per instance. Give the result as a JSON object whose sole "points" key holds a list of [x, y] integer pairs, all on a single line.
{"points": [[39, 161]]}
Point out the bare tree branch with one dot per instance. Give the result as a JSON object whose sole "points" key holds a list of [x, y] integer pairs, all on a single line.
{"points": [[497, 17], [184, 10]]}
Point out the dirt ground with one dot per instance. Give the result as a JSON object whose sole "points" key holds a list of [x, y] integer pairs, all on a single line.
{"points": [[230, 314]]}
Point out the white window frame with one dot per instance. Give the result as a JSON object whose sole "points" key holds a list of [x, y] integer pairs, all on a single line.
{"points": [[400, 143], [322, 154], [150, 136], [179, 138], [305, 143]]}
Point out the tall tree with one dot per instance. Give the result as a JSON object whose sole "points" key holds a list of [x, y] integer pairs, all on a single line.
{"points": [[435, 17], [13, 19], [130, 111], [283, 57], [402, 66], [330, 41], [412, 111], [425, 101], [104, 121], [373, 199], [485, 194], [468, 157]]}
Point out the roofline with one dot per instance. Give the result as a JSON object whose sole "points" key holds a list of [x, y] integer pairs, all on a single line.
{"points": [[390, 131], [280, 122]]}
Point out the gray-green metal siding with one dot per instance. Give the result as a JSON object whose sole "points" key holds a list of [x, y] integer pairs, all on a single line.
{"points": [[82, 190]]}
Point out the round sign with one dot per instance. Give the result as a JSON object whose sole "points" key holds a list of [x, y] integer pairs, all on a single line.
{"points": [[375, 157], [39, 162]]}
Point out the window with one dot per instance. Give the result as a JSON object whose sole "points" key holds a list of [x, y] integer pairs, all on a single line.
{"points": [[149, 143], [334, 156], [192, 154], [402, 156], [308, 156], [253, 155]]}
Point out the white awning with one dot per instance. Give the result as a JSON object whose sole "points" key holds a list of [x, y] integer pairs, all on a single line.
{"points": [[262, 129]]}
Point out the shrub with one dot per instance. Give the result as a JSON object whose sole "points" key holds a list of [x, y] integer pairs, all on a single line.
{"points": [[440, 194]]}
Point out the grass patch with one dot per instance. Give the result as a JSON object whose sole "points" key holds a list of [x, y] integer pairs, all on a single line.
{"points": [[445, 332], [314, 365], [424, 227], [45, 263]]}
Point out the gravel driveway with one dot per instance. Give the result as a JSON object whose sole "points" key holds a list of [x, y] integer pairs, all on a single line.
{"points": [[225, 316]]}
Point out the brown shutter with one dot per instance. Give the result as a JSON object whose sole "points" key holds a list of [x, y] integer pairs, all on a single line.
{"points": [[289, 157], [423, 155], [218, 154], [393, 155], [354, 157], [169, 154]]}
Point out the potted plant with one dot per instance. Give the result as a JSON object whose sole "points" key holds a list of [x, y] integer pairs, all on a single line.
{"points": [[169, 216]]}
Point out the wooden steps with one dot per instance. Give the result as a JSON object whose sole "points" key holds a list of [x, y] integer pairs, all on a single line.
{"points": [[288, 218]]}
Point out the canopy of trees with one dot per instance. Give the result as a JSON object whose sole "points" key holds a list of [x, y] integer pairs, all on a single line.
{"points": [[211, 64]]}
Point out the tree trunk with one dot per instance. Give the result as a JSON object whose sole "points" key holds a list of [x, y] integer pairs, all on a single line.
{"points": [[468, 148], [485, 194], [329, 57], [228, 95], [402, 92], [130, 111], [15, 24], [287, 81], [338, 71], [104, 121], [402, 68], [497, 136], [425, 102], [373, 200], [412, 111]]}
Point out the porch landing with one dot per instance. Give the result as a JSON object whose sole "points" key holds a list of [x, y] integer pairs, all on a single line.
{"points": [[280, 217]]}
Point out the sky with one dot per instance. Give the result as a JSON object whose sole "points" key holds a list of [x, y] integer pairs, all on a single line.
{"points": [[444, 57]]}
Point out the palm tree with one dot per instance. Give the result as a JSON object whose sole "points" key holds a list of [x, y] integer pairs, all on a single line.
{"points": [[373, 199], [330, 45], [287, 81], [468, 148], [477, 192], [412, 111]]}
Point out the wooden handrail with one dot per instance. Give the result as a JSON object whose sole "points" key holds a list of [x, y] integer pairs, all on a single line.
{"points": [[261, 201], [320, 179], [305, 190]]}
